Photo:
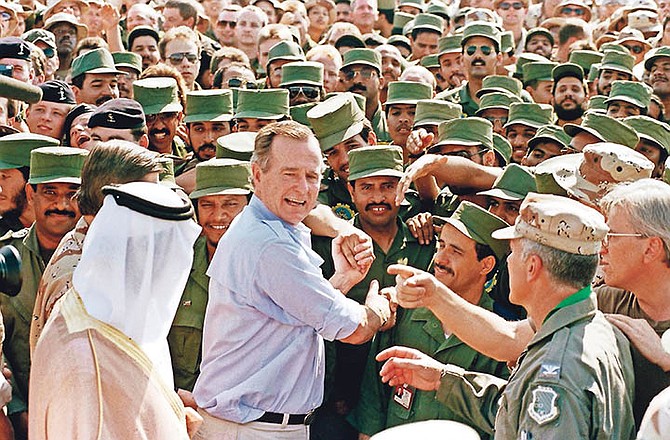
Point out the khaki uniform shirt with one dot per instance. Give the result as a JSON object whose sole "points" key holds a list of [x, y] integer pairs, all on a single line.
{"points": [[185, 337], [574, 381]]}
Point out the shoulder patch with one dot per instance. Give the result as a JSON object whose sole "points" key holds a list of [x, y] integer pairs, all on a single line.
{"points": [[543, 406], [343, 211], [550, 370]]}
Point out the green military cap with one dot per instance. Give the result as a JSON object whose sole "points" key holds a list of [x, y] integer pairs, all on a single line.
{"points": [[449, 44], [262, 104], [525, 58], [500, 83], [614, 47], [620, 62], [336, 119], [239, 146], [585, 58], [655, 54], [400, 19], [566, 70], [286, 50], [209, 105], [386, 5], [636, 93], [166, 174], [373, 161], [401, 40], [477, 224], [407, 92], [650, 130], [507, 42], [130, 60], [299, 113], [15, 148], [427, 22], [481, 29], [549, 133], [430, 61], [438, 8], [435, 111], [529, 114], [56, 165], [407, 29], [360, 99], [597, 102], [368, 57], [157, 95], [594, 71], [94, 61], [540, 31], [302, 72], [496, 100], [559, 223], [513, 184], [222, 177], [538, 72], [502, 146], [469, 132], [604, 128], [414, 3]]}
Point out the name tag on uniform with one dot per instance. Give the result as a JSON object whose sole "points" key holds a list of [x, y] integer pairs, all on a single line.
{"points": [[404, 395]]}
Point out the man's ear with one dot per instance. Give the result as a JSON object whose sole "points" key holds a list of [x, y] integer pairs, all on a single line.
{"points": [[488, 264], [30, 193]]}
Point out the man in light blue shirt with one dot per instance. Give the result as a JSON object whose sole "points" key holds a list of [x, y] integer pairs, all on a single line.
{"points": [[270, 307]]}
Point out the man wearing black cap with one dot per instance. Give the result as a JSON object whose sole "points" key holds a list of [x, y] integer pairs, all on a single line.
{"points": [[539, 41], [143, 41], [15, 57], [47, 117], [119, 119], [570, 93]]}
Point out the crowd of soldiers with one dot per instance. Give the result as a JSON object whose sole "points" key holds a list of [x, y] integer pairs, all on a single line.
{"points": [[335, 219]]}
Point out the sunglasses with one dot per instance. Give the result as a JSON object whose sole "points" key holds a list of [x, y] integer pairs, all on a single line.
{"points": [[635, 49], [163, 117], [310, 92], [486, 50], [227, 23], [5, 16], [241, 83], [493, 119], [364, 73], [576, 11], [49, 52], [505, 6], [178, 57]]}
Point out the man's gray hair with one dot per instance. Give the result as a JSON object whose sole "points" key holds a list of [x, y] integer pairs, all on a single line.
{"points": [[569, 269], [290, 129]]}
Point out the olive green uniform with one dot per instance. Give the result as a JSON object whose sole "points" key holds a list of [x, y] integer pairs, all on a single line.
{"points": [[185, 337], [574, 381], [460, 95], [17, 312], [379, 408], [379, 125]]}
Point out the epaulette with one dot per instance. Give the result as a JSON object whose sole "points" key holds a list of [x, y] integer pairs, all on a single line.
{"points": [[20, 234]]}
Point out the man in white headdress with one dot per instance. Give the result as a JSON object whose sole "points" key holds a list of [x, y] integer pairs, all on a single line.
{"points": [[102, 365]]}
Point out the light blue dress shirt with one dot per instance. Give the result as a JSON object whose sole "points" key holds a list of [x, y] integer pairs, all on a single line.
{"points": [[269, 309]]}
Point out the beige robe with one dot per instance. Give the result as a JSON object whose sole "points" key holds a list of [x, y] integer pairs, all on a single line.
{"points": [[90, 381]]}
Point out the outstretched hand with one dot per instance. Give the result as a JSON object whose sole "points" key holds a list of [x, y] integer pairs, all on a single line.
{"points": [[409, 366]]}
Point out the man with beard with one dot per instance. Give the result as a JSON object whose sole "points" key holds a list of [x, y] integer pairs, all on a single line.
{"points": [[131, 64], [121, 119], [143, 41], [209, 115], [68, 32], [392, 65], [450, 58], [400, 109], [373, 179], [361, 73], [615, 66], [54, 180], [47, 117], [537, 81], [658, 65], [570, 93], [14, 170], [628, 98], [222, 189], [160, 103], [524, 120], [480, 47], [95, 78], [539, 41]]}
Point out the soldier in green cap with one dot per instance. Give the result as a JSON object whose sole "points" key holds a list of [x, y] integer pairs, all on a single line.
{"points": [[522, 124], [570, 94], [374, 175], [450, 57], [614, 66], [599, 128], [426, 31], [258, 108], [304, 82], [55, 177], [504, 198], [130, 64], [281, 53], [465, 261], [160, 102], [400, 108], [654, 141], [657, 62], [494, 107], [537, 80], [222, 190], [430, 113], [361, 73], [14, 170], [480, 47], [549, 141], [95, 78], [628, 98]]}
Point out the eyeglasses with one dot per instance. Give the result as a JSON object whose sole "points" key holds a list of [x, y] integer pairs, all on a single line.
{"points": [[365, 73], [568, 10], [606, 240], [486, 50], [635, 49], [492, 119], [177, 58], [310, 92], [4, 16], [505, 6], [227, 23], [163, 117], [241, 83]]}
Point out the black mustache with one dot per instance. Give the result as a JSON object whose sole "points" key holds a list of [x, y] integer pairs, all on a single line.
{"points": [[445, 268], [101, 100], [356, 87], [59, 212], [207, 145], [373, 205]]}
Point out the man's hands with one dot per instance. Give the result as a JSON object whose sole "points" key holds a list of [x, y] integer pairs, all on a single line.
{"points": [[380, 305], [424, 166], [421, 227], [418, 140], [353, 256], [644, 338], [414, 288], [409, 366]]}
